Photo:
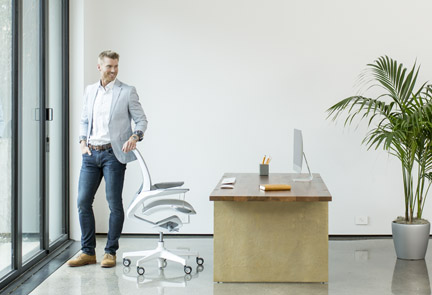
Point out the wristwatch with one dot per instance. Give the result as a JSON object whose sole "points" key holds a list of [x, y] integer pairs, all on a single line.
{"points": [[135, 137]]}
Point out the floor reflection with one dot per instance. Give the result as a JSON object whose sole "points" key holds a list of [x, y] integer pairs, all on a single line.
{"points": [[356, 267], [270, 288], [410, 277], [111, 283], [161, 280]]}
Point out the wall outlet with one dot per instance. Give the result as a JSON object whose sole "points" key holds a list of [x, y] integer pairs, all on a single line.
{"points": [[362, 220]]}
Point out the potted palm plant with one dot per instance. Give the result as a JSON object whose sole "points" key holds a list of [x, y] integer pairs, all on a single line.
{"points": [[400, 122]]}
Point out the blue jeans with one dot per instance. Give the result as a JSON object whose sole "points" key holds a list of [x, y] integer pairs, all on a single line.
{"points": [[95, 166]]}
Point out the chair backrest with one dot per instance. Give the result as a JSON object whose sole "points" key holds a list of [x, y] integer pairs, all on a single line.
{"points": [[146, 179]]}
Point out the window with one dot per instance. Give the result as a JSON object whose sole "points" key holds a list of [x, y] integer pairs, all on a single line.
{"points": [[33, 132], [5, 135]]}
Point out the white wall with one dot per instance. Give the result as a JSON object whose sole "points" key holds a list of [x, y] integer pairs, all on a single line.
{"points": [[225, 82]]}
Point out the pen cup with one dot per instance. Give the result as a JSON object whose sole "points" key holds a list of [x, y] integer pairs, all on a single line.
{"points": [[264, 169]]}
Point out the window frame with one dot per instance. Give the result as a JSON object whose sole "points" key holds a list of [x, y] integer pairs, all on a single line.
{"points": [[18, 268]]}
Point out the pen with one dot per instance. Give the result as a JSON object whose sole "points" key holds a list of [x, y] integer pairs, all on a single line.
{"points": [[268, 160], [263, 161]]}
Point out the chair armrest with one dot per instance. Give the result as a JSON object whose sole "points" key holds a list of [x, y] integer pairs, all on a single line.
{"points": [[163, 185]]}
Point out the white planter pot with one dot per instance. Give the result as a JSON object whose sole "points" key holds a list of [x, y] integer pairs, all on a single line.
{"points": [[410, 240]]}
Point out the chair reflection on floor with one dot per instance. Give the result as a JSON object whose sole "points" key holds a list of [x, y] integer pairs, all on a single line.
{"points": [[161, 281], [160, 205]]}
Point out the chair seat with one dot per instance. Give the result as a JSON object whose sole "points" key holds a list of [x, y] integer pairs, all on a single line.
{"points": [[168, 204]]}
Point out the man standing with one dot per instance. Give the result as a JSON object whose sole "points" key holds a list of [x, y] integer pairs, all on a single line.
{"points": [[106, 140]]}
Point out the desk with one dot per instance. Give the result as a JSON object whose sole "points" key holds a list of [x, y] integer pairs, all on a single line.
{"points": [[277, 236]]}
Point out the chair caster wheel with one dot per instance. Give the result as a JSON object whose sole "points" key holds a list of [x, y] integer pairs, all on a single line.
{"points": [[200, 261], [140, 270], [187, 269], [126, 262]]}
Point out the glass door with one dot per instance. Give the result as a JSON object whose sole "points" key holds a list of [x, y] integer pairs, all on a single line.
{"points": [[55, 123], [5, 136], [33, 133], [30, 133]]}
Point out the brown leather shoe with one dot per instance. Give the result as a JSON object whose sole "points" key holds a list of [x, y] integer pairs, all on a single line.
{"points": [[108, 260], [82, 259]]}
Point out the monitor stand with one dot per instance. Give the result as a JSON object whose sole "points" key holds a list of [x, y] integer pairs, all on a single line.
{"points": [[310, 176]]}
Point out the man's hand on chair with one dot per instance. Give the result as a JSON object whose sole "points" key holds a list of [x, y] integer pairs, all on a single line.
{"points": [[130, 144]]}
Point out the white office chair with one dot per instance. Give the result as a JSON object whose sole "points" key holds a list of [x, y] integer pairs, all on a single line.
{"points": [[151, 204]]}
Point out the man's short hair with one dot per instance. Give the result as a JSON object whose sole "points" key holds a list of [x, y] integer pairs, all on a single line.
{"points": [[108, 53]]}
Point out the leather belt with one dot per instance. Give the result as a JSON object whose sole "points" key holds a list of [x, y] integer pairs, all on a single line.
{"points": [[100, 147]]}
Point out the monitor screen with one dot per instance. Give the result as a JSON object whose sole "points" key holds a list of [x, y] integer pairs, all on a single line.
{"points": [[298, 151]]}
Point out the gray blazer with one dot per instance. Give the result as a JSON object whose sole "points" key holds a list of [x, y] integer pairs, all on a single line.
{"points": [[125, 107]]}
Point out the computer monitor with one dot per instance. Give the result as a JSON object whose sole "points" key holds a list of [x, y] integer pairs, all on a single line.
{"points": [[298, 156]]}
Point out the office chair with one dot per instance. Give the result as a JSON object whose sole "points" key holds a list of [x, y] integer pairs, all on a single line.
{"points": [[151, 204]]}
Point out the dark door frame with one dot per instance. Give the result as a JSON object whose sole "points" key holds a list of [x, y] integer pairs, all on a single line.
{"points": [[18, 268]]}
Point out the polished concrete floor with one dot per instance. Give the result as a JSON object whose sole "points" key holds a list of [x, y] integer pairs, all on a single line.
{"points": [[366, 266]]}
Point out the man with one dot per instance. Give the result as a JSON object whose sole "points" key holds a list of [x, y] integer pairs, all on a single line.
{"points": [[106, 140]]}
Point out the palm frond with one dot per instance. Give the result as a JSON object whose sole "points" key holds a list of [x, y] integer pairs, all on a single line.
{"points": [[400, 122]]}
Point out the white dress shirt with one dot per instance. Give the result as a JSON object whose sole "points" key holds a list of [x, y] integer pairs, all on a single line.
{"points": [[101, 112]]}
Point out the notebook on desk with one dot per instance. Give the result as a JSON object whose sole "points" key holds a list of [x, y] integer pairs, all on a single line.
{"points": [[228, 183]]}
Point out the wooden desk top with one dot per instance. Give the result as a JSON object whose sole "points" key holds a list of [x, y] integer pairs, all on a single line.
{"points": [[246, 188]]}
